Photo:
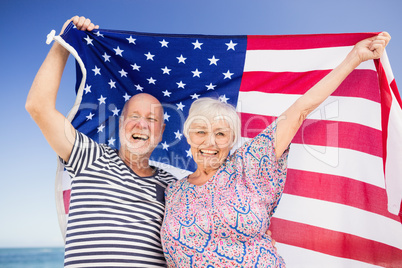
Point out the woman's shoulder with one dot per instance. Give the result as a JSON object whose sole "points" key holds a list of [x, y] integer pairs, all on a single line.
{"points": [[177, 184]]}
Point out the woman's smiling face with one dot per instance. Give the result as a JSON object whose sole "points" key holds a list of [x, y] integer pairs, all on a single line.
{"points": [[210, 141]]}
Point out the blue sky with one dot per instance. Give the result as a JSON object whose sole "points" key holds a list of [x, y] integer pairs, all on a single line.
{"points": [[27, 203]]}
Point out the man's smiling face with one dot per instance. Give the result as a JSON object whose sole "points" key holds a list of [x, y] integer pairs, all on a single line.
{"points": [[142, 126]]}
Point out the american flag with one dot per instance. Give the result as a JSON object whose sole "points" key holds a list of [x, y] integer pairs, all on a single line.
{"points": [[343, 192]]}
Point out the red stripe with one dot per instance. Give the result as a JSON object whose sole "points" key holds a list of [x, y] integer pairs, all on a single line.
{"points": [[321, 132], [338, 189], [335, 243], [360, 83], [66, 200], [282, 42], [400, 212], [386, 101], [396, 92], [386, 106]]}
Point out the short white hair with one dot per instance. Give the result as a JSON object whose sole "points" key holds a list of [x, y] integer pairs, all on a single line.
{"points": [[213, 109]]}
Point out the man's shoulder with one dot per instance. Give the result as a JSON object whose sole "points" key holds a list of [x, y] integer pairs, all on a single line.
{"points": [[85, 140], [166, 176]]}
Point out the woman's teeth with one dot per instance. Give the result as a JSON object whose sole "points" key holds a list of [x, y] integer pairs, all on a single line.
{"points": [[211, 152]]}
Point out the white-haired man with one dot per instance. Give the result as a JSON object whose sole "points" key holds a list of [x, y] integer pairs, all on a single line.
{"points": [[117, 198]]}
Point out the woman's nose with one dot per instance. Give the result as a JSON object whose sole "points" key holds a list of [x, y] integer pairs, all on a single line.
{"points": [[211, 139]]}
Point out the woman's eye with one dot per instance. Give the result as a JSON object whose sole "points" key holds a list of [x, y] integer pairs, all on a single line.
{"points": [[220, 134], [201, 132]]}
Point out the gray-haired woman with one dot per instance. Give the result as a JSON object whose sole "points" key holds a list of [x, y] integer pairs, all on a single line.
{"points": [[218, 215]]}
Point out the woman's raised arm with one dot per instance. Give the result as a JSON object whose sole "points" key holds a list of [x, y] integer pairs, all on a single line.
{"points": [[290, 121]]}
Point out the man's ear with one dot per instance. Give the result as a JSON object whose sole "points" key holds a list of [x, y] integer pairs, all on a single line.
{"points": [[162, 130], [121, 119]]}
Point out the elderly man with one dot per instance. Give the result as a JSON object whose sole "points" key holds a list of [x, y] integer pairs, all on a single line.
{"points": [[117, 198]]}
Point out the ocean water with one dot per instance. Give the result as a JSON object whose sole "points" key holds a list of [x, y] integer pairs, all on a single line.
{"points": [[31, 257]]}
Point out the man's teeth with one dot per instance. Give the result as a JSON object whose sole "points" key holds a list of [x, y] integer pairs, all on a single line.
{"points": [[140, 137]]}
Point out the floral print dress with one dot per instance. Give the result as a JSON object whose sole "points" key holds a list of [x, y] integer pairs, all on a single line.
{"points": [[223, 222]]}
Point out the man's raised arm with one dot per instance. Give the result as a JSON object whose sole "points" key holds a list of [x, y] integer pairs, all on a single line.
{"points": [[41, 100]]}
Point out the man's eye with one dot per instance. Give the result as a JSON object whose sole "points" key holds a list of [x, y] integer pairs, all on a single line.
{"points": [[201, 132], [151, 119]]}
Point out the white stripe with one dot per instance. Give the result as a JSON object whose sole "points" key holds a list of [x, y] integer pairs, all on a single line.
{"points": [[334, 108], [152, 244], [337, 161], [387, 67], [60, 180], [302, 60], [329, 160], [103, 257], [100, 263], [107, 241], [113, 202], [108, 230], [132, 216], [80, 90], [107, 249], [139, 215], [304, 258], [114, 264], [147, 226], [66, 180], [129, 194], [342, 218], [140, 209], [59, 188], [393, 167], [119, 180]]}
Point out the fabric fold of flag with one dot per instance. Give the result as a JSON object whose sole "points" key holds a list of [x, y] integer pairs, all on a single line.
{"points": [[342, 200]]}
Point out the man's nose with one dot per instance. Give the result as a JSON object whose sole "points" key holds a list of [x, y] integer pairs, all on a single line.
{"points": [[142, 122]]}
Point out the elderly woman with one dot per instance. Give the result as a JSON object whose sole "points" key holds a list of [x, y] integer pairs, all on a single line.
{"points": [[218, 215]]}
